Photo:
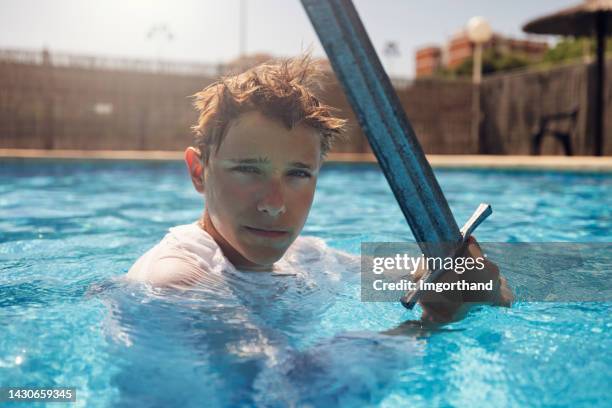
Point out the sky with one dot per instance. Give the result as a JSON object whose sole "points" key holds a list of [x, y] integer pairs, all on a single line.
{"points": [[208, 30]]}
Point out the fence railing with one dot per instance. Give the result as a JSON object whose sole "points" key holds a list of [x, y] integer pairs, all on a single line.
{"points": [[61, 59]]}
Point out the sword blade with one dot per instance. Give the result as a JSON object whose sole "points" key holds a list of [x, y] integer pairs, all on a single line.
{"points": [[385, 124]]}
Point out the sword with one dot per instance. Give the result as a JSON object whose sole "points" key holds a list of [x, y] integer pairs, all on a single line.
{"points": [[393, 141]]}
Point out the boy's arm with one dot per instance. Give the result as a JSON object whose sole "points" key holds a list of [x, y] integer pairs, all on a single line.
{"points": [[167, 272]]}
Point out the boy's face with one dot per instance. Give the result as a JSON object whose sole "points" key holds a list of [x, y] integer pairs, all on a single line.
{"points": [[259, 187]]}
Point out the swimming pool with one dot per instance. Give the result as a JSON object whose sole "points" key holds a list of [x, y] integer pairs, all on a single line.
{"points": [[68, 228]]}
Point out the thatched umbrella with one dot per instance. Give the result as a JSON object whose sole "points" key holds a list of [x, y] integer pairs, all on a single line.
{"points": [[593, 17]]}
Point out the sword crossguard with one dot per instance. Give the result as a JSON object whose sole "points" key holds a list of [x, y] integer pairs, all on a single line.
{"points": [[482, 212]]}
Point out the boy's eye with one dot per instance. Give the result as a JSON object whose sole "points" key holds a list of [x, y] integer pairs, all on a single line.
{"points": [[299, 173], [247, 169]]}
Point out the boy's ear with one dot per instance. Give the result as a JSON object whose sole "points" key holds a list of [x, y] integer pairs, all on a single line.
{"points": [[193, 159]]}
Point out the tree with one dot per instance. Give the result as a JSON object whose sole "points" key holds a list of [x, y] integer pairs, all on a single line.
{"points": [[493, 61], [569, 49]]}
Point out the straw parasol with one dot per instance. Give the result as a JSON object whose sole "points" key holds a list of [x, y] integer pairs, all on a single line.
{"points": [[592, 17]]}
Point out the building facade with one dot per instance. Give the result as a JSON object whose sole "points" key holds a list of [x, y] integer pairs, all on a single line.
{"points": [[459, 48], [428, 60]]}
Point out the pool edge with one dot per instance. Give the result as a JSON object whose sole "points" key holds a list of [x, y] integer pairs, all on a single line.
{"points": [[555, 163]]}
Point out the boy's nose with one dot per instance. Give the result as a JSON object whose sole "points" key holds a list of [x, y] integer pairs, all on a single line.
{"points": [[272, 202]]}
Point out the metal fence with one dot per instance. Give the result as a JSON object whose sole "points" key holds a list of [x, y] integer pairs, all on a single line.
{"points": [[59, 59], [54, 101]]}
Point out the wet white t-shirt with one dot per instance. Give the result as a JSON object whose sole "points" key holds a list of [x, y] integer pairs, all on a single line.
{"points": [[189, 255]]}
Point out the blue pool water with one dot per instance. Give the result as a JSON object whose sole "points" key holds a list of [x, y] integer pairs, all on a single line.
{"points": [[68, 229]]}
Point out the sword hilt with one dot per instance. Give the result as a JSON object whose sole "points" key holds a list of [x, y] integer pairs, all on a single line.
{"points": [[481, 213]]}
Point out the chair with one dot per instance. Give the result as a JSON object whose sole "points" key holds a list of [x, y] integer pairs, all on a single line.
{"points": [[546, 127]]}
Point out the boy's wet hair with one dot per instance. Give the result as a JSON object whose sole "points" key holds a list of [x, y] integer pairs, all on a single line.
{"points": [[281, 90]]}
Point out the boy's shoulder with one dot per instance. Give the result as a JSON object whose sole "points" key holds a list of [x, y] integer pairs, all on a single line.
{"points": [[181, 258]]}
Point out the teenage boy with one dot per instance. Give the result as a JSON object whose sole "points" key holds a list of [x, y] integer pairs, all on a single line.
{"points": [[261, 138]]}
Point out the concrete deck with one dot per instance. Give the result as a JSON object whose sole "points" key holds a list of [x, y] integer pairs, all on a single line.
{"points": [[557, 163]]}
